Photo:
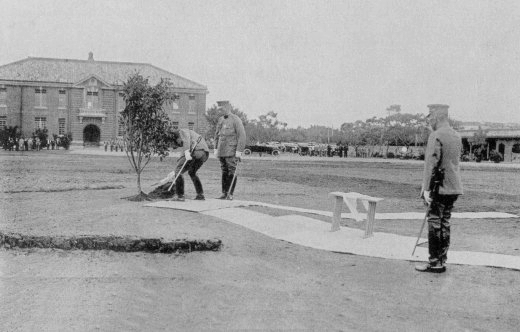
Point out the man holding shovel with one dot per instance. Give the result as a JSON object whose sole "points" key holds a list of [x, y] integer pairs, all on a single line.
{"points": [[194, 153], [230, 141]]}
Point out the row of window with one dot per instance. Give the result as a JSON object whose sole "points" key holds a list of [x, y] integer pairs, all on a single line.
{"points": [[172, 107], [92, 100], [191, 125], [40, 122], [175, 124], [40, 98], [3, 97]]}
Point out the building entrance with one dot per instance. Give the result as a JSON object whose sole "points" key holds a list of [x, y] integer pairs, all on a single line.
{"points": [[91, 135], [501, 148]]}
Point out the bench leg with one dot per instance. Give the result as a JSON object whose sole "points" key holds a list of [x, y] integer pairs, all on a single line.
{"points": [[371, 216], [336, 216]]}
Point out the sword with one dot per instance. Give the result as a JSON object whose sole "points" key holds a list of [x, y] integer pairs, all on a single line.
{"points": [[234, 176], [420, 232]]}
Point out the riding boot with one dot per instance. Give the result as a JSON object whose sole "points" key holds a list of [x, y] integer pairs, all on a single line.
{"points": [[197, 184], [224, 182], [179, 186]]}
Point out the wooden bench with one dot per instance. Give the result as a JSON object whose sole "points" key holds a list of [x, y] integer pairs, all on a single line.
{"points": [[352, 198]]}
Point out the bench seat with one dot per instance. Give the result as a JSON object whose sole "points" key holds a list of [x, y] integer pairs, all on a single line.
{"points": [[351, 199]]}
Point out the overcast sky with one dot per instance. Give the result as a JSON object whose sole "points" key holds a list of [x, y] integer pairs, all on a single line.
{"points": [[312, 62]]}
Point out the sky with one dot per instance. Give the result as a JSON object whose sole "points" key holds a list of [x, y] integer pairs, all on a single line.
{"points": [[311, 62]]}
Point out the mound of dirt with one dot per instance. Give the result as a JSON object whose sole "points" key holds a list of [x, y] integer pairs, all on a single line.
{"points": [[114, 243]]}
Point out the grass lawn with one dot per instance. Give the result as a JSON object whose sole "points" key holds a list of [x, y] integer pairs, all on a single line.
{"points": [[254, 282]]}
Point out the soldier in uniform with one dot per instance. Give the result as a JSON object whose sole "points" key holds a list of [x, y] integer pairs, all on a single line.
{"points": [[194, 153], [440, 191], [230, 142]]}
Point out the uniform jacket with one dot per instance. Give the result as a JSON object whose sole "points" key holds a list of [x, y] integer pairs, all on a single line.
{"points": [[230, 136], [189, 141], [445, 145]]}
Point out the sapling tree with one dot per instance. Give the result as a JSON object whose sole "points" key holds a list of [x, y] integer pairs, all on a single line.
{"points": [[146, 126]]}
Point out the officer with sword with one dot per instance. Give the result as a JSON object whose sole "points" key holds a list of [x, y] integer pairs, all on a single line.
{"points": [[230, 142], [441, 186]]}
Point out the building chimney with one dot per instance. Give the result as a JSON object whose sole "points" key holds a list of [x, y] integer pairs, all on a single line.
{"points": [[90, 56]]}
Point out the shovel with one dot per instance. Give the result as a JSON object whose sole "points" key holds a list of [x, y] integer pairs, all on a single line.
{"points": [[167, 179]]}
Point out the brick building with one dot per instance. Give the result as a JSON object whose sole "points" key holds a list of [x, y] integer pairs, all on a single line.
{"points": [[84, 97]]}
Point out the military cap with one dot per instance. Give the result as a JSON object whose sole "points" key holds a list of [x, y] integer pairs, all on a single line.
{"points": [[438, 109], [222, 103]]}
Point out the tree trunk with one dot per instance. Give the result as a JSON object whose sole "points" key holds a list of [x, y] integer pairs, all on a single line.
{"points": [[139, 183]]}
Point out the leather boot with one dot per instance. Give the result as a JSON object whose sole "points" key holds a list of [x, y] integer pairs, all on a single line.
{"points": [[438, 268], [223, 196], [198, 185], [224, 183], [179, 186]]}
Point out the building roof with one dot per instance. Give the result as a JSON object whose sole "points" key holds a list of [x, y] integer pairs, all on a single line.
{"points": [[73, 71], [492, 133]]}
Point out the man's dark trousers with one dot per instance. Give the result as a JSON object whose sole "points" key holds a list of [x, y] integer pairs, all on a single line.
{"points": [[228, 165], [439, 214], [192, 166]]}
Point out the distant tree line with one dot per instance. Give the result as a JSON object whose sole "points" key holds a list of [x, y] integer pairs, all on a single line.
{"points": [[396, 129]]}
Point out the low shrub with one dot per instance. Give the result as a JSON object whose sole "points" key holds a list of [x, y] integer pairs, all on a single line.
{"points": [[65, 140]]}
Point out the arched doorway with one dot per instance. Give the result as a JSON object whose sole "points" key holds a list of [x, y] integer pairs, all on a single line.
{"points": [[91, 135]]}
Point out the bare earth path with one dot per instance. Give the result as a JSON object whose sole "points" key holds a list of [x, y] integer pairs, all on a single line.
{"points": [[254, 282]]}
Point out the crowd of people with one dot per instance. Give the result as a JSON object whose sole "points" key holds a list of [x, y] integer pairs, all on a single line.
{"points": [[33, 144], [324, 150], [114, 145]]}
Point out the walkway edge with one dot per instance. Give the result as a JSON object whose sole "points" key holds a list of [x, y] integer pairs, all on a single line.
{"points": [[316, 234]]}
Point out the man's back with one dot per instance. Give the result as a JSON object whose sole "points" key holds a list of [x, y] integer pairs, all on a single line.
{"points": [[451, 147]]}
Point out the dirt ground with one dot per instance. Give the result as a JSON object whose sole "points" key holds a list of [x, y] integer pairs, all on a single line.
{"points": [[254, 282]]}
